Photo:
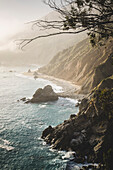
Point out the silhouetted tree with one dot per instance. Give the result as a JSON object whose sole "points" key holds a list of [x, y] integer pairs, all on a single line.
{"points": [[93, 16]]}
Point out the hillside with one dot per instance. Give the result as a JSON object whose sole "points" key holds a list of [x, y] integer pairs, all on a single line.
{"points": [[79, 64], [89, 133]]}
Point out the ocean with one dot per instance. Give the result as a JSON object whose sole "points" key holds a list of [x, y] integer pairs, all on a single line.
{"points": [[21, 125]]}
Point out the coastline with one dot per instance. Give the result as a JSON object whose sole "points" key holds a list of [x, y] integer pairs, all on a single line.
{"points": [[69, 89]]}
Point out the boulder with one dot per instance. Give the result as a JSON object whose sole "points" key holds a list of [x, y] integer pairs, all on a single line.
{"points": [[83, 105], [23, 99], [77, 104], [44, 95], [29, 71], [47, 131]]}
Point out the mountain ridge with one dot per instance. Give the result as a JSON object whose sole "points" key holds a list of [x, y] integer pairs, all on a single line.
{"points": [[79, 63]]}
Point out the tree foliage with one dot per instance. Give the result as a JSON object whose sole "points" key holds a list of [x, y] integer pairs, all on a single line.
{"points": [[75, 16]]}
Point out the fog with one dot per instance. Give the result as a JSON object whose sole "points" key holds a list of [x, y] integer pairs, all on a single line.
{"points": [[14, 16]]}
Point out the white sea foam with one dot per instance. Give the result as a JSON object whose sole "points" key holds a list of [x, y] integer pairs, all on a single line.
{"points": [[51, 149], [39, 138], [8, 148], [74, 165], [41, 124], [5, 144], [43, 143], [24, 76], [55, 87], [42, 106], [68, 155], [26, 125], [78, 166], [4, 141], [62, 152], [34, 67], [72, 100], [29, 97]]}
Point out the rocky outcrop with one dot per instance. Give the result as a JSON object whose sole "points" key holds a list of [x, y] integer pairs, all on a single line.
{"points": [[106, 83], [87, 132], [103, 71], [23, 99], [44, 95]]}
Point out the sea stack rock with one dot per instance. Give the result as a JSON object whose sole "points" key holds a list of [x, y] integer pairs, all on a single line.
{"points": [[44, 95]]}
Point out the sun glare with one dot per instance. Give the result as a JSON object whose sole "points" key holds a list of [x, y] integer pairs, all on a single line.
{"points": [[9, 28]]}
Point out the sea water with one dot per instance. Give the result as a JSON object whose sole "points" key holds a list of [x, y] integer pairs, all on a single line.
{"points": [[21, 125]]}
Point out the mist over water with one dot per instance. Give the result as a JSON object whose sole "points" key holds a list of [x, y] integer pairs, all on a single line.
{"points": [[21, 125]]}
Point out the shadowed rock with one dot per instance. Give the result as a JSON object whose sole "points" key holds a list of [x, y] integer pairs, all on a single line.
{"points": [[44, 95], [23, 99], [89, 133]]}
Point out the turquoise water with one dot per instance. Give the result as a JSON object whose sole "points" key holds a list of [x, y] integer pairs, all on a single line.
{"points": [[21, 125]]}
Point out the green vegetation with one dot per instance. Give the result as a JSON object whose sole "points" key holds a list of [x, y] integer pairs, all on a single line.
{"points": [[108, 159], [76, 16], [104, 100], [107, 147]]}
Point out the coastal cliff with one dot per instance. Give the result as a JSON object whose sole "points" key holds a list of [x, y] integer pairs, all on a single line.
{"points": [[90, 132], [82, 64]]}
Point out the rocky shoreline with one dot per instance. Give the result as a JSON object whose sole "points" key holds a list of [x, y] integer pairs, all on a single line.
{"points": [[47, 94], [69, 89], [89, 133]]}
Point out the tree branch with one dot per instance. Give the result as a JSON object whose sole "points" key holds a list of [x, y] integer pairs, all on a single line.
{"points": [[24, 42]]}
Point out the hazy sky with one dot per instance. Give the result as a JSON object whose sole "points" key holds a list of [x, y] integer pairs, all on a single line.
{"points": [[13, 13]]}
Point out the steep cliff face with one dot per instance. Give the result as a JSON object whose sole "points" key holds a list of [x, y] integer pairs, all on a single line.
{"points": [[106, 83], [103, 71], [79, 64], [90, 132]]}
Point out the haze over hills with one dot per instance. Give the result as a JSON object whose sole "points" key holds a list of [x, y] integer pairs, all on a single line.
{"points": [[40, 51]]}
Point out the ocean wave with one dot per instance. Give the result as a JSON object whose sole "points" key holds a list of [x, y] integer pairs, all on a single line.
{"points": [[24, 76], [73, 165], [72, 100], [4, 141], [52, 150], [40, 139], [2, 127], [55, 87], [42, 106], [4, 144], [68, 155], [8, 148]]}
